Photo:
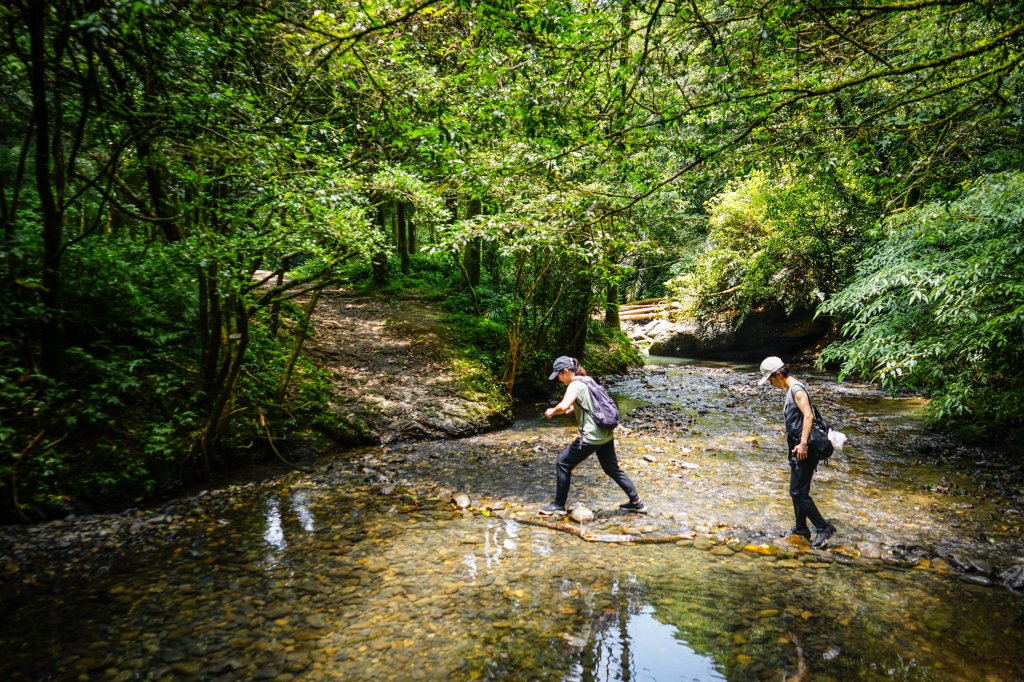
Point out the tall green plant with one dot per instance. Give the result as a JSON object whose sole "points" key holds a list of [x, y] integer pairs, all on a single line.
{"points": [[784, 237], [939, 305]]}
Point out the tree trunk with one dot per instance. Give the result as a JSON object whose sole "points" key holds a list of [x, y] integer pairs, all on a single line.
{"points": [[401, 230], [410, 229], [9, 215], [218, 399], [51, 337], [576, 306], [379, 261], [275, 306], [300, 339], [577, 344], [611, 309], [471, 254], [154, 177], [209, 328], [491, 263]]}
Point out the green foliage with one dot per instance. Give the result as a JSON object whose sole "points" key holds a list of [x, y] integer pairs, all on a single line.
{"points": [[118, 431], [605, 143], [610, 351], [939, 305], [123, 431], [479, 339], [786, 237]]}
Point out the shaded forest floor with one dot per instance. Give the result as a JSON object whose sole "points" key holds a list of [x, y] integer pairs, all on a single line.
{"points": [[395, 373]]}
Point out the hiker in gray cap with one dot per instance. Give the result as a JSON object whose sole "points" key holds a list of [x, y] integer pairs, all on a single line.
{"points": [[799, 415], [586, 399]]}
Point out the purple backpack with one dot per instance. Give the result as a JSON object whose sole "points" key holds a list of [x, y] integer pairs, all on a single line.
{"points": [[605, 412]]}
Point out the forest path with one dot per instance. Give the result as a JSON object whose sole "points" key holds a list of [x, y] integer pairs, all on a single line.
{"points": [[394, 372]]}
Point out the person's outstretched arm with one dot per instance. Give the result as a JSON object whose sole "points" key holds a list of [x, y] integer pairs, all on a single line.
{"points": [[566, 404]]}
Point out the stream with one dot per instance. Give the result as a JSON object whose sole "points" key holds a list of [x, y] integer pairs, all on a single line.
{"points": [[420, 561]]}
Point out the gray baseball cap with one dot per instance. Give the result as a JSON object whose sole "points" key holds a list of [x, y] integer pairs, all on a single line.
{"points": [[561, 362]]}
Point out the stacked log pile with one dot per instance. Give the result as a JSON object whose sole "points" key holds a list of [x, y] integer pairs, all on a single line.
{"points": [[645, 310]]}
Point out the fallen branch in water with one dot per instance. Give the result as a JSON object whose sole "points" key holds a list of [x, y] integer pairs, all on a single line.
{"points": [[602, 537], [801, 662]]}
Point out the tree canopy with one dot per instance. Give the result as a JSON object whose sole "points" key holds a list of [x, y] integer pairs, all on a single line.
{"points": [[176, 176]]}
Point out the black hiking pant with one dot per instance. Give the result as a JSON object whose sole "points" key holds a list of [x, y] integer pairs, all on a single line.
{"points": [[800, 475], [579, 451]]}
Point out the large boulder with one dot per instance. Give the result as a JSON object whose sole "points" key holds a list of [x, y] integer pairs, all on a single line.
{"points": [[769, 331]]}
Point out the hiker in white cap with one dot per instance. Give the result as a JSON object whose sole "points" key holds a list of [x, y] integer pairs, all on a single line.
{"points": [[799, 415]]}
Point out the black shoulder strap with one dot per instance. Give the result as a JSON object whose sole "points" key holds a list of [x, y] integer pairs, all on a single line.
{"points": [[814, 408]]}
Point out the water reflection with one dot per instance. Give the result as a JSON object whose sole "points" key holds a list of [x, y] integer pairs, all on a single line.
{"points": [[635, 647], [469, 563], [301, 506], [274, 534], [499, 538], [274, 537]]}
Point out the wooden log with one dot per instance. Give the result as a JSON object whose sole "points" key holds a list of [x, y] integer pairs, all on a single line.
{"points": [[644, 316], [620, 538], [634, 309]]}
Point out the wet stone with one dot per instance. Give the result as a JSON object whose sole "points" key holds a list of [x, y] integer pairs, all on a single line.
{"points": [[581, 514], [797, 541], [976, 580], [789, 563], [186, 668], [870, 550], [1013, 577]]}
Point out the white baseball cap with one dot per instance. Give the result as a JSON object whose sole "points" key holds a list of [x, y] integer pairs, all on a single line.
{"points": [[770, 366]]}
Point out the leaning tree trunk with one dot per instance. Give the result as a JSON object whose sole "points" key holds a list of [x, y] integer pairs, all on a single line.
{"points": [[301, 334]]}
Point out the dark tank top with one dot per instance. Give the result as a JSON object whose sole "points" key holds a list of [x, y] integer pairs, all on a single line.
{"points": [[792, 416]]}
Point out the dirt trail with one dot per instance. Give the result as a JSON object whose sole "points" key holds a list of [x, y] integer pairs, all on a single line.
{"points": [[394, 375]]}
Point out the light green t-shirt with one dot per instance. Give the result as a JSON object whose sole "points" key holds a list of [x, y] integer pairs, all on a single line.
{"points": [[590, 432]]}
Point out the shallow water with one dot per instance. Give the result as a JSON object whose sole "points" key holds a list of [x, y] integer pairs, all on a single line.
{"points": [[364, 569]]}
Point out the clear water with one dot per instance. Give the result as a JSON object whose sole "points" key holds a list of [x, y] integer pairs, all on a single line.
{"points": [[364, 569]]}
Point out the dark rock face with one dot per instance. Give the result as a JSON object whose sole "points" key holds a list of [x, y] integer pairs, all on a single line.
{"points": [[761, 333]]}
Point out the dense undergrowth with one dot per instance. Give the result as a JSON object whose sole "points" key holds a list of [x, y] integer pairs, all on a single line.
{"points": [[123, 428]]}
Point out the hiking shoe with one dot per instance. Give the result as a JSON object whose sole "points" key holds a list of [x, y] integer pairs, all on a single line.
{"points": [[796, 530], [821, 539], [637, 506], [550, 509]]}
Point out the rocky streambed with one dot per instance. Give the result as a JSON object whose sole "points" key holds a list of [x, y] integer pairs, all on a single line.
{"points": [[423, 560]]}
